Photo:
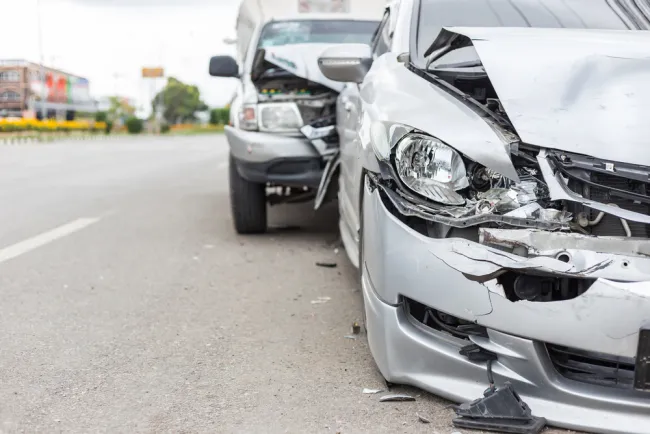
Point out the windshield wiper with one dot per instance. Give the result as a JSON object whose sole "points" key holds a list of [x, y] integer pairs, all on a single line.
{"points": [[467, 64]]}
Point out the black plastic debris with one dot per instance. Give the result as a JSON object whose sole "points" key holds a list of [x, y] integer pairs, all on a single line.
{"points": [[326, 264], [396, 397], [501, 410], [475, 353]]}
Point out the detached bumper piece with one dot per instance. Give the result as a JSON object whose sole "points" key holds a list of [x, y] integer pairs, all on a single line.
{"points": [[642, 368], [499, 410]]}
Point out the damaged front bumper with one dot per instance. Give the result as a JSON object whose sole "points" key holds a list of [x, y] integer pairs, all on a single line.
{"points": [[279, 159], [572, 359]]}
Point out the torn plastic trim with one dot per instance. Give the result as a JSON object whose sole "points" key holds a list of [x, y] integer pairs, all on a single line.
{"points": [[326, 180], [559, 190], [537, 242], [408, 208], [483, 263]]}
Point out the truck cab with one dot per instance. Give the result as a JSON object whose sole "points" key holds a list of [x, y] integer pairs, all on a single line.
{"points": [[282, 134]]}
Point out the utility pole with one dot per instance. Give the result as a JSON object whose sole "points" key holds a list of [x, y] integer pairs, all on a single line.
{"points": [[42, 68]]}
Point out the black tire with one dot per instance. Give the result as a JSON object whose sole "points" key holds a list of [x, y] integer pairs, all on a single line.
{"points": [[247, 203]]}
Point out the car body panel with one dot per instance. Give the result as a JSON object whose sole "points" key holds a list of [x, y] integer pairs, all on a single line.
{"points": [[575, 77], [399, 263]]}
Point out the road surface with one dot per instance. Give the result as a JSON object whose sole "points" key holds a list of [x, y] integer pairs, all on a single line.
{"points": [[129, 304]]}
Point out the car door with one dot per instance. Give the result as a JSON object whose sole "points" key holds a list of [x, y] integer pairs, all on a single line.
{"points": [[350, 114]]}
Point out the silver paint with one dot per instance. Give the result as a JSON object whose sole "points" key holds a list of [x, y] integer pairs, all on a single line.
{"points": [[397, 263], [573, 78], [257, 147]]}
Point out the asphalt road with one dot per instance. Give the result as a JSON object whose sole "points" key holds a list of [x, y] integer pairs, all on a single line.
{"points": [[128, 304]]}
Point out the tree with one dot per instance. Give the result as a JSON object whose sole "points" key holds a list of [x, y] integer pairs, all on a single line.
{"points": [[220, 116], [179, 101], [120, 108]]}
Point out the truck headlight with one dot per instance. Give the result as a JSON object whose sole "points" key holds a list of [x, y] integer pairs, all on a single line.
{"points": [[279, 117], [431, 168]]}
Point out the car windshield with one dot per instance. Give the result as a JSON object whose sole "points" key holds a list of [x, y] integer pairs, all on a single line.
{"points": [[434, 14], [316, 31]]}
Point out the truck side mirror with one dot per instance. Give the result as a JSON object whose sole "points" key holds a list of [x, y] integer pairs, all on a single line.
{"points": [[223, 66]]}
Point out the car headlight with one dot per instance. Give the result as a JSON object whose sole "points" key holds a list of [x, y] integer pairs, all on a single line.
{"points": [[279, 117], [430, 168]]}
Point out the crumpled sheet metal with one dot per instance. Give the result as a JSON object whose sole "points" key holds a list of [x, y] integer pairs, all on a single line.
{"points": [[462, 219], [536, 242], [484, 263]]}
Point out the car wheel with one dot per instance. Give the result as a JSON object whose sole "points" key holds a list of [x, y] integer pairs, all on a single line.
{"points": [[247, 203]]}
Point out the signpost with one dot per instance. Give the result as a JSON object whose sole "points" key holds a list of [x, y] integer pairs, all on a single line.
{"points": [[152, 74]]}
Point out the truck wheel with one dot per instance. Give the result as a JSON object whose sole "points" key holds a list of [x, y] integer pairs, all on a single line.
{"points": [[247, 203]]}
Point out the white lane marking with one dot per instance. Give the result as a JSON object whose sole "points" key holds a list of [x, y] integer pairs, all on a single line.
{"points": [[40, 240]]}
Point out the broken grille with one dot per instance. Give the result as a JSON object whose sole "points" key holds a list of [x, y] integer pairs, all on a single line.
{"points": [[624, 185], [434, 319], [593, 368]]}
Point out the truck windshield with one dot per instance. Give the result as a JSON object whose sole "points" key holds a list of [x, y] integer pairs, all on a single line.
{"points": [[316, 31]]}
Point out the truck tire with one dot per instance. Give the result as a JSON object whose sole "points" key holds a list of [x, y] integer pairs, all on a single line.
{"points": [[247, 203]]}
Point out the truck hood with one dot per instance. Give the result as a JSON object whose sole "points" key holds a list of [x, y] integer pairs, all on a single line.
{"points": [[302, 61], [582, 91]]}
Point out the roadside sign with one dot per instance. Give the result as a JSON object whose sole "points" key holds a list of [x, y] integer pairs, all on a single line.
{"points": [[153, 72]]}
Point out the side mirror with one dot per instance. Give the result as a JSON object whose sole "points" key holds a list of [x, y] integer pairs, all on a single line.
{"points": [[223, 66], [348, 63]]}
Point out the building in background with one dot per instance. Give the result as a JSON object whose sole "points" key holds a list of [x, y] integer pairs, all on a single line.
{"points": [[29, 91]]}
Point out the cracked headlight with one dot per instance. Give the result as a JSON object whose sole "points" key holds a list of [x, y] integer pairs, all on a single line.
{"points": [[279, 117], [430, 168]]}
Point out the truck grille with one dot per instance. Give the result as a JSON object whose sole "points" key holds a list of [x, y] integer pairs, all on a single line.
{"points": [[592, 368]]}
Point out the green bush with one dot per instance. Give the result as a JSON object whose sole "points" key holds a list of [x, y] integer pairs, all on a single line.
{"points": [[109, 126], [101, 117], [164, 128], [220, 116], [134, 125]]}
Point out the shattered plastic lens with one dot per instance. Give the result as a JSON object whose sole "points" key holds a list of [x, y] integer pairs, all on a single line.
{"points": [[430, 168], [279, 117]]}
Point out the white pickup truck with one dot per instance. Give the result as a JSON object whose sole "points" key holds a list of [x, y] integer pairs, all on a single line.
{"points": [[282, 134]]}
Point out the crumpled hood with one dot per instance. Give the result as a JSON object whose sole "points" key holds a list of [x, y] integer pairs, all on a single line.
{"points": [[583, 91], [302, 60]]}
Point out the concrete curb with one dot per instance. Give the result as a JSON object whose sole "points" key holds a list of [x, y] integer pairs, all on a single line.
{"points": [[38, 140]]}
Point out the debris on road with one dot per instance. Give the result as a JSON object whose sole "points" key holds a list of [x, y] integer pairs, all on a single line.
{"points": [[371, 391], [356, 328], [321, 300], [396, 398], [500, 409], [423, 419], [349, 337], [326, 264]]}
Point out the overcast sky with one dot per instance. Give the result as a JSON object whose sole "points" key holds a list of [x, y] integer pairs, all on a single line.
{"points": [[109, 41]]}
